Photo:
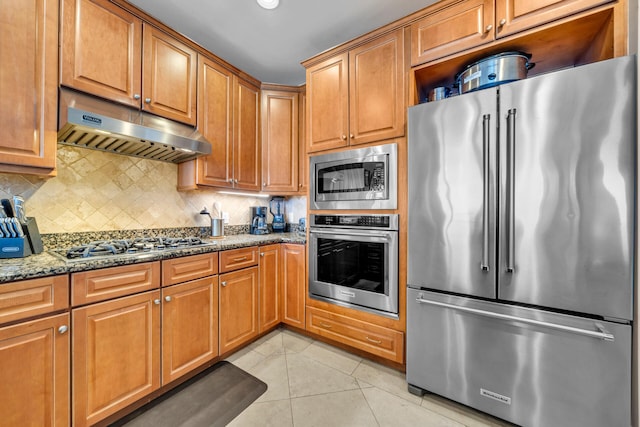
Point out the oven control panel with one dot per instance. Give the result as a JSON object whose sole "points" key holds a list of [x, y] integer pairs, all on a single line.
{"points": [[353, 221]]}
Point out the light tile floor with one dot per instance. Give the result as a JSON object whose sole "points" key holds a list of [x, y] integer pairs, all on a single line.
{"points": [[314, 384]]}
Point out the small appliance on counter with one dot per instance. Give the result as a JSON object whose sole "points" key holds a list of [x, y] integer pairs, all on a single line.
{"points": [[258, 220], [19, 235], [217, 224], [279, 223]]}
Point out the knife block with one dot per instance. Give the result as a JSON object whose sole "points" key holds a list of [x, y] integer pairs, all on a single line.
{"points": [[14, 247], [32, 234]]}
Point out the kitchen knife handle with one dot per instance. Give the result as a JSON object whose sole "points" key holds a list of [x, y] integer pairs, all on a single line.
{"points": [[486, 134], [511, 188], [8, 208]]}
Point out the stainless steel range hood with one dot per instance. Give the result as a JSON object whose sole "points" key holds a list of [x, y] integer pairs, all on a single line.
{"points": [[89, 122]]}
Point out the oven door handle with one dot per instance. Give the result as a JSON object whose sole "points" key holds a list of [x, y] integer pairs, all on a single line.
{"points": [[378, 234]]}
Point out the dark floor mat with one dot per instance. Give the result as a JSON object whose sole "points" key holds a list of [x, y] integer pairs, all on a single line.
{"points": [[212, 398]]}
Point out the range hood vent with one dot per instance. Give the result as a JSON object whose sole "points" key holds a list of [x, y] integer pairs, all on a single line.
{"points": [[89, 122]]}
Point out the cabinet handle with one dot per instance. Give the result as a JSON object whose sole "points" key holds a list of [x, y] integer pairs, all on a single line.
{"points": [[136, 96], [156, 301], [502, 22], [147, 100], [223, 283], [167, 298], [62, 329], [235, 180], [344, 137], [325, 325], [378, 342], [231, 180], [488, 28], [244, 258], [351, 135]]}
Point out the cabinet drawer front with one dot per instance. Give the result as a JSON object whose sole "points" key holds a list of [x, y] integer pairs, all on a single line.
{"points": [[29, 298], [187, 268], [100, 285], [238, 258], [372, 338]]}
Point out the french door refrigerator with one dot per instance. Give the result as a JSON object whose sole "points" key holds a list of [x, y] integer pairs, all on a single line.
{"points": [[521, 247]]}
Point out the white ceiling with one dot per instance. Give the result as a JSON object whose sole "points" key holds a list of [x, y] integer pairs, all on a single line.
{"points": [[270, 44]]}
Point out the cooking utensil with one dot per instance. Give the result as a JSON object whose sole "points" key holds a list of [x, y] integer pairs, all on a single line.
{"points": [[438, 93], [493, 71], [8, 208]]}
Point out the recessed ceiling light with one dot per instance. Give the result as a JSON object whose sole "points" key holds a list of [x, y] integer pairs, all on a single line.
{"points": [[269, 4]]}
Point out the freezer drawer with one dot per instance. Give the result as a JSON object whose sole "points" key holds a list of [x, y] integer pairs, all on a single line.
{"points": [[544, 369]]}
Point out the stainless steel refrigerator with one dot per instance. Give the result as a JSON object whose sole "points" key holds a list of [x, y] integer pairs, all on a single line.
{"points": [[521, 247]]}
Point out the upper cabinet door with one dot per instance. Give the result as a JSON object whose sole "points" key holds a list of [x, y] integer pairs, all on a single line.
{"points": [[246, 136], [28, 86], [169, 77], [328, 104], [453, 29], [215, 99], [376, 89], [100, 50], [517, 15]]}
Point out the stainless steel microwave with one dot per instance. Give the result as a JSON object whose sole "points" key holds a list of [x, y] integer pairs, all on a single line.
{"points": [[363, 178]]}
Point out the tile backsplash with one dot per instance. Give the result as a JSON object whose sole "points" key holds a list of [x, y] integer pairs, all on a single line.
{"points": [[98, 191]]}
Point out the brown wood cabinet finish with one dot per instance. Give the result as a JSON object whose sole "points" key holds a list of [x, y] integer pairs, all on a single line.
{"points": [[294, 284], [28, 298], [101, 50], [238, 308], [28, 84], [169, 76], [269, 291], [100, 285], [189, 326], [303, 160], [279, 141], [235, 259], [178, 270], [34, 379], [246, 136], [116, 355]]}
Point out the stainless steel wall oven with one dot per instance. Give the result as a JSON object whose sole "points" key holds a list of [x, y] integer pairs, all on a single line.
{"points": [[353, 261]]}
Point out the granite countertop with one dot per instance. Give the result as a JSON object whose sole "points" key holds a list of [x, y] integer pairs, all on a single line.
{"points": [[46, 264]]}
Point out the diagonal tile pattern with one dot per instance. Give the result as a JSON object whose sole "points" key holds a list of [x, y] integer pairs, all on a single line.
{"points": [[314, 384]]}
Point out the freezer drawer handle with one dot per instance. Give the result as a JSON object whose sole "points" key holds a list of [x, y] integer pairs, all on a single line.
{"points": [[603, 334]]}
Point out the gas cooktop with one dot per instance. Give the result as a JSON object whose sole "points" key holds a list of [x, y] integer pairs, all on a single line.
{"points": [[140, 246]]}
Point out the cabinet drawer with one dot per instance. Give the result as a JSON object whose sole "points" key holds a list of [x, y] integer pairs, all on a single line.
{"points": [[187, 268], [28, 298], [371, 338], [107, 283], [238, 258]]}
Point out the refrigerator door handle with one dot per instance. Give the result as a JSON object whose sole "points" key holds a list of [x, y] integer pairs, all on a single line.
{"points": [[511, 188], [486, 121], [603, 334]]}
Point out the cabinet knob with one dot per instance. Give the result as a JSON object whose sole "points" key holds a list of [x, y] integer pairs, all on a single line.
{"points": [[167, 298], [147, 100], [264, 184], [231, 180], [235, 181], [223, 283], [136, 96], [62, 329], [351, 135], [262, 254], [344, 137], [502, 22], [156, 301], [488, 28]]}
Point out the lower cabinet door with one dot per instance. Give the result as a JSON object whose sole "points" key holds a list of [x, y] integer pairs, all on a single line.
{"points": [[34, 373], [294, 281], [269, 294], [116, 355], [238, 308], [189, 326]]}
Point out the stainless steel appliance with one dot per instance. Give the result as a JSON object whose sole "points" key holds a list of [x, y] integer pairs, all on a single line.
{"points": [[278, 225], [363, 178], [521, 247], [258, 220], [353, 261]]}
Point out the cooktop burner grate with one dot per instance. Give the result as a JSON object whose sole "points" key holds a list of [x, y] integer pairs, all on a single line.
{"points": [[102, 248]]}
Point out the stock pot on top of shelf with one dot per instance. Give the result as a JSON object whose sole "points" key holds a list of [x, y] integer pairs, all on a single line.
{"points": [[494, 70]]}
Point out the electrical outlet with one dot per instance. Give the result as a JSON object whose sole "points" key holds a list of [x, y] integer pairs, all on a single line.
{"points": [[225, 217]]}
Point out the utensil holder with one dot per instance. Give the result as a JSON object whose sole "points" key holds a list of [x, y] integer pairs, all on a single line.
{"points": [[14, 247]]}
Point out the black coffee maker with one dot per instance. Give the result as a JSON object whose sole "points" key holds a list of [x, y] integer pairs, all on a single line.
{"points": [[258, 220]]}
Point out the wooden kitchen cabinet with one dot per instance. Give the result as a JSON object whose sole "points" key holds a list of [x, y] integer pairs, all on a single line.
{"points": [[28, 84], [108, 52], [357, 97], [29, 298], [303, 157], [34, 379], [189, 326], [238, 308], [229, 119], [459, 26], [280, 141], [116, 355], [269, 290], [294, 282]]}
